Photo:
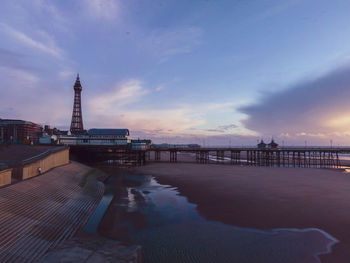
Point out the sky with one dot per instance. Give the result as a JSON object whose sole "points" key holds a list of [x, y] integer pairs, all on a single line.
{"points": [[224, 72]]}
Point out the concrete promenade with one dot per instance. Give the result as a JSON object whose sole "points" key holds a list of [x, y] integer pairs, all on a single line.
{"points": [[15, 153], [41, 213]]}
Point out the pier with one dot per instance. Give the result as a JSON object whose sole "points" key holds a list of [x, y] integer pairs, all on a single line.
{"points": [[114, 155], [286, 157], [280, 157]]}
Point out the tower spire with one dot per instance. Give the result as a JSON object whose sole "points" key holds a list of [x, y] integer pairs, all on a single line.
{"points": [[76, 126], [77, 83]]}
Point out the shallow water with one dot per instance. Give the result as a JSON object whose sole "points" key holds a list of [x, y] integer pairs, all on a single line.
{"points": [[92, 225], [173, 231]]}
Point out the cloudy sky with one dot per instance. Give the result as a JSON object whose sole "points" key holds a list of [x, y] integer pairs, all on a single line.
{"points": [[202, 71]]}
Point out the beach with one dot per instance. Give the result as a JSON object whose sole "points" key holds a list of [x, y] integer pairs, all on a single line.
{"points": [[265, 198]]}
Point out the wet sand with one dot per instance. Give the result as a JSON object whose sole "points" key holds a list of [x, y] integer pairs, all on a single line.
{"points": [[266, 198]]}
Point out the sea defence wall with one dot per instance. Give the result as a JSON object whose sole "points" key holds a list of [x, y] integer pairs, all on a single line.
{"points": [[47, 160], [40, 214], [5, 177], [51, 161]]}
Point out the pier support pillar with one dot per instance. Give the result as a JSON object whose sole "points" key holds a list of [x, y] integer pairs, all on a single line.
{"points": [[220, 156], [148, 156], [173, 156], [157, 155], [204, 157]]}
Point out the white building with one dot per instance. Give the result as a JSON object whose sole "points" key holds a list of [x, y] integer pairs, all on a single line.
{"points": [[97, 137], [47, 139]]}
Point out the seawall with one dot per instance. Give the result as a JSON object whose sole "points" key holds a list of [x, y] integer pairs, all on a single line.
{"points": [[41, 213], [20, 162], [46, 161], [5, 176]]}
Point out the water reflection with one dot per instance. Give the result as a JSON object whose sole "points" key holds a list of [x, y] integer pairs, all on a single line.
{"points": [[170, 230]]}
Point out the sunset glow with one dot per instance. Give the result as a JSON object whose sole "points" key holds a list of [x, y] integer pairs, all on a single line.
{"points": [[161, 71]]}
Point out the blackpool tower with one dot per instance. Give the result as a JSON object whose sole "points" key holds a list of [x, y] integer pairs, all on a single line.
{"points": [[76, 125]]}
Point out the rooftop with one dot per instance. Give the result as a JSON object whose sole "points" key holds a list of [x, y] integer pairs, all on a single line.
{"points": [[122, 132], [11, 121]]}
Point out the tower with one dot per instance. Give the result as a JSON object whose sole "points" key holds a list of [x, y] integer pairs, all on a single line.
{"points": [[76, 125]]}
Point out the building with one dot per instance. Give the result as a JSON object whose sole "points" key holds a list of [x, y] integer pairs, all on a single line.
{"points": [[108, 136], [64, 139], [48, 139], [261, 145], [19, 131], [112, 137], [140, 144], [272, 145]]}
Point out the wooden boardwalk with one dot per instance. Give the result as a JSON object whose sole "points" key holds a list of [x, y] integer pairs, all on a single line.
{"points": [[40, 213]]}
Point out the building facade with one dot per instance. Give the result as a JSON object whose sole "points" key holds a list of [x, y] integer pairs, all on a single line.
{"points": [[261, 145], [272, 145], [19, 131], [141, 144], [111, 137]]}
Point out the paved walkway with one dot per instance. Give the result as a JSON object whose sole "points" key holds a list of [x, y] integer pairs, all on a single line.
{"points": [[15, 153], [91, 249], [41, 213]]}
